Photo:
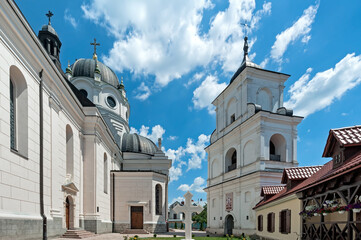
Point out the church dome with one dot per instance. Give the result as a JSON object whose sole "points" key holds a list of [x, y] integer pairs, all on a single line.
{"points": [[49, 28], [132, 142], [86, 67]]}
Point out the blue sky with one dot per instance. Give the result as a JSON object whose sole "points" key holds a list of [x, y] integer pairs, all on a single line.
{"points": [[177, 56]]}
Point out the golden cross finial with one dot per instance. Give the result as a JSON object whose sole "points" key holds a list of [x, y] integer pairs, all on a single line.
{"points": [[95, 44]]}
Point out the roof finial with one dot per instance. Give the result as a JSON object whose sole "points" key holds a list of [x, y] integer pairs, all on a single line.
{"points": [[245, 46], [95, 44], [121, 85], [49, 15]]}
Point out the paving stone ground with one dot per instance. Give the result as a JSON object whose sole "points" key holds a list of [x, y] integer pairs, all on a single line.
{"points": [[118, 236]]}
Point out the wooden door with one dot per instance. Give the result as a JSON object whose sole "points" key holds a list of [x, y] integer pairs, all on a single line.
{"points": [[67, 213], [137, 217]]}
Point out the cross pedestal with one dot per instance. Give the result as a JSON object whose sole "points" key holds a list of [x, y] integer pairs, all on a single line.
{"points": [[188, 209]]}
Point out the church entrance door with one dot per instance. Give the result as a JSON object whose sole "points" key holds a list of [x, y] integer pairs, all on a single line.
{"points": [[67, 213], [136, 217], [229, 224]]}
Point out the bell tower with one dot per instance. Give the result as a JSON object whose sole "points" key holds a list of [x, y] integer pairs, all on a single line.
{"points": [[50, 40]]}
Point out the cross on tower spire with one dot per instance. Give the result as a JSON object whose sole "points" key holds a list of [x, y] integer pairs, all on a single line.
{"points": [[95, 44], [49, 15], [245, 46]]}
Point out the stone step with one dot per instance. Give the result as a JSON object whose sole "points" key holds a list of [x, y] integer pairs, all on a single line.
{"points": [[135, 231], [77, 234]]}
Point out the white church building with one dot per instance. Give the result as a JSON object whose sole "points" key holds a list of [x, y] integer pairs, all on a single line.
{"points": [[254, 140], [67, 158]]}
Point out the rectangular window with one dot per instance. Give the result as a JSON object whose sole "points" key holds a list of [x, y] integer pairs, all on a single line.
{"points": [[285, 221], [271, 222], [233, 118], [174, 216], [260, 223]]}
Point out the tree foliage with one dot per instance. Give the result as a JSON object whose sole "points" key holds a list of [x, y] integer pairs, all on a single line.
{"points": [[202, 217]]}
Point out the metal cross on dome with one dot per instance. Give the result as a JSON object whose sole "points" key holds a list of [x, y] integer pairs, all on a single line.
{"points": [[188, 209], [49, 15], [95, 44]]}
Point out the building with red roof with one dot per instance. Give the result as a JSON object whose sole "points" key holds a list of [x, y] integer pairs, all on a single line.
{"points": [[317, 202]]}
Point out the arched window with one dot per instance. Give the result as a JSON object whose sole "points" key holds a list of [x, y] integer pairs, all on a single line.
{"points": [[158, 199], [105, 173], [18, 95], [277, 148], [69, 151], [231, 160]]}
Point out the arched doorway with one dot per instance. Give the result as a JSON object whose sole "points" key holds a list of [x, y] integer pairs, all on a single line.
{"points": [[69, 221], [228, 225]]}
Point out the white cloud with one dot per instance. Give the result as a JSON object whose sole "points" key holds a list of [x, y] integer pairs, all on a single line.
{"points": [[310, 95], [157, 132], [165, 38], [172, 138], [196, 151], [143, 92], [300, 29], [196, 77], [207, 92], [68, 17], [197, 185]]}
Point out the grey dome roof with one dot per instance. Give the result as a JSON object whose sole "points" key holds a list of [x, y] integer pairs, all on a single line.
{"points": [[132, 142], [85, 68], [49, 28]]}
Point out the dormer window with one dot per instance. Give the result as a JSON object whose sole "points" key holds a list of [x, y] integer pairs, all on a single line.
{"points": [[233, 118]]}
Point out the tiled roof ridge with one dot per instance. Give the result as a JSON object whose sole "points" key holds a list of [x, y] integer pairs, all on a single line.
{"points": [[343, 128]]}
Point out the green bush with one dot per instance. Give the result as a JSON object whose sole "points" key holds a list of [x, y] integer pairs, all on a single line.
{"points": [[182, 226], [175, 225], [154, 235], [174, 236]]}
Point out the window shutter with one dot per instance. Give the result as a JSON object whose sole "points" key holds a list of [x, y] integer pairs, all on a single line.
{"points": [[269, 224], [273, 222], [288, 221], [261, 223]]}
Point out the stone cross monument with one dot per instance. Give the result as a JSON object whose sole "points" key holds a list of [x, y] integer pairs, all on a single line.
{"points": [[188, 209]]}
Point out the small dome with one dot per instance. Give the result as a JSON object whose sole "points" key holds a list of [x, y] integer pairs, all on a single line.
{"points": [[50, 29], [132, 142], [86, 67]]}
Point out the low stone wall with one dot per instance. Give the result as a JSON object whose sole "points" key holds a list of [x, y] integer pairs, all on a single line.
{"points": [[155, 228], [12, 228], [97, 226]]}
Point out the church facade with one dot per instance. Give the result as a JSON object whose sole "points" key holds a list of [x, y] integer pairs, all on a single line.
{"points": [[68, 160], [254, 140]]}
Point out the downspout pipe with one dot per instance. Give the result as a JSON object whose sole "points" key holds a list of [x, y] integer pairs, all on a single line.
{"points": [[41, 165], [113, 203]]}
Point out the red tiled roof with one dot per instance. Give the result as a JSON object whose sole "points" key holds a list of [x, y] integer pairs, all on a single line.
{"points": [[326, 173], [271, 190], [352, 164], [348, 136], [299, 173], [285, 192]]}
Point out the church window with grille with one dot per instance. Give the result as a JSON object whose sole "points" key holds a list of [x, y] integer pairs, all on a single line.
{"points": [[158, 199], [12, 117]]}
